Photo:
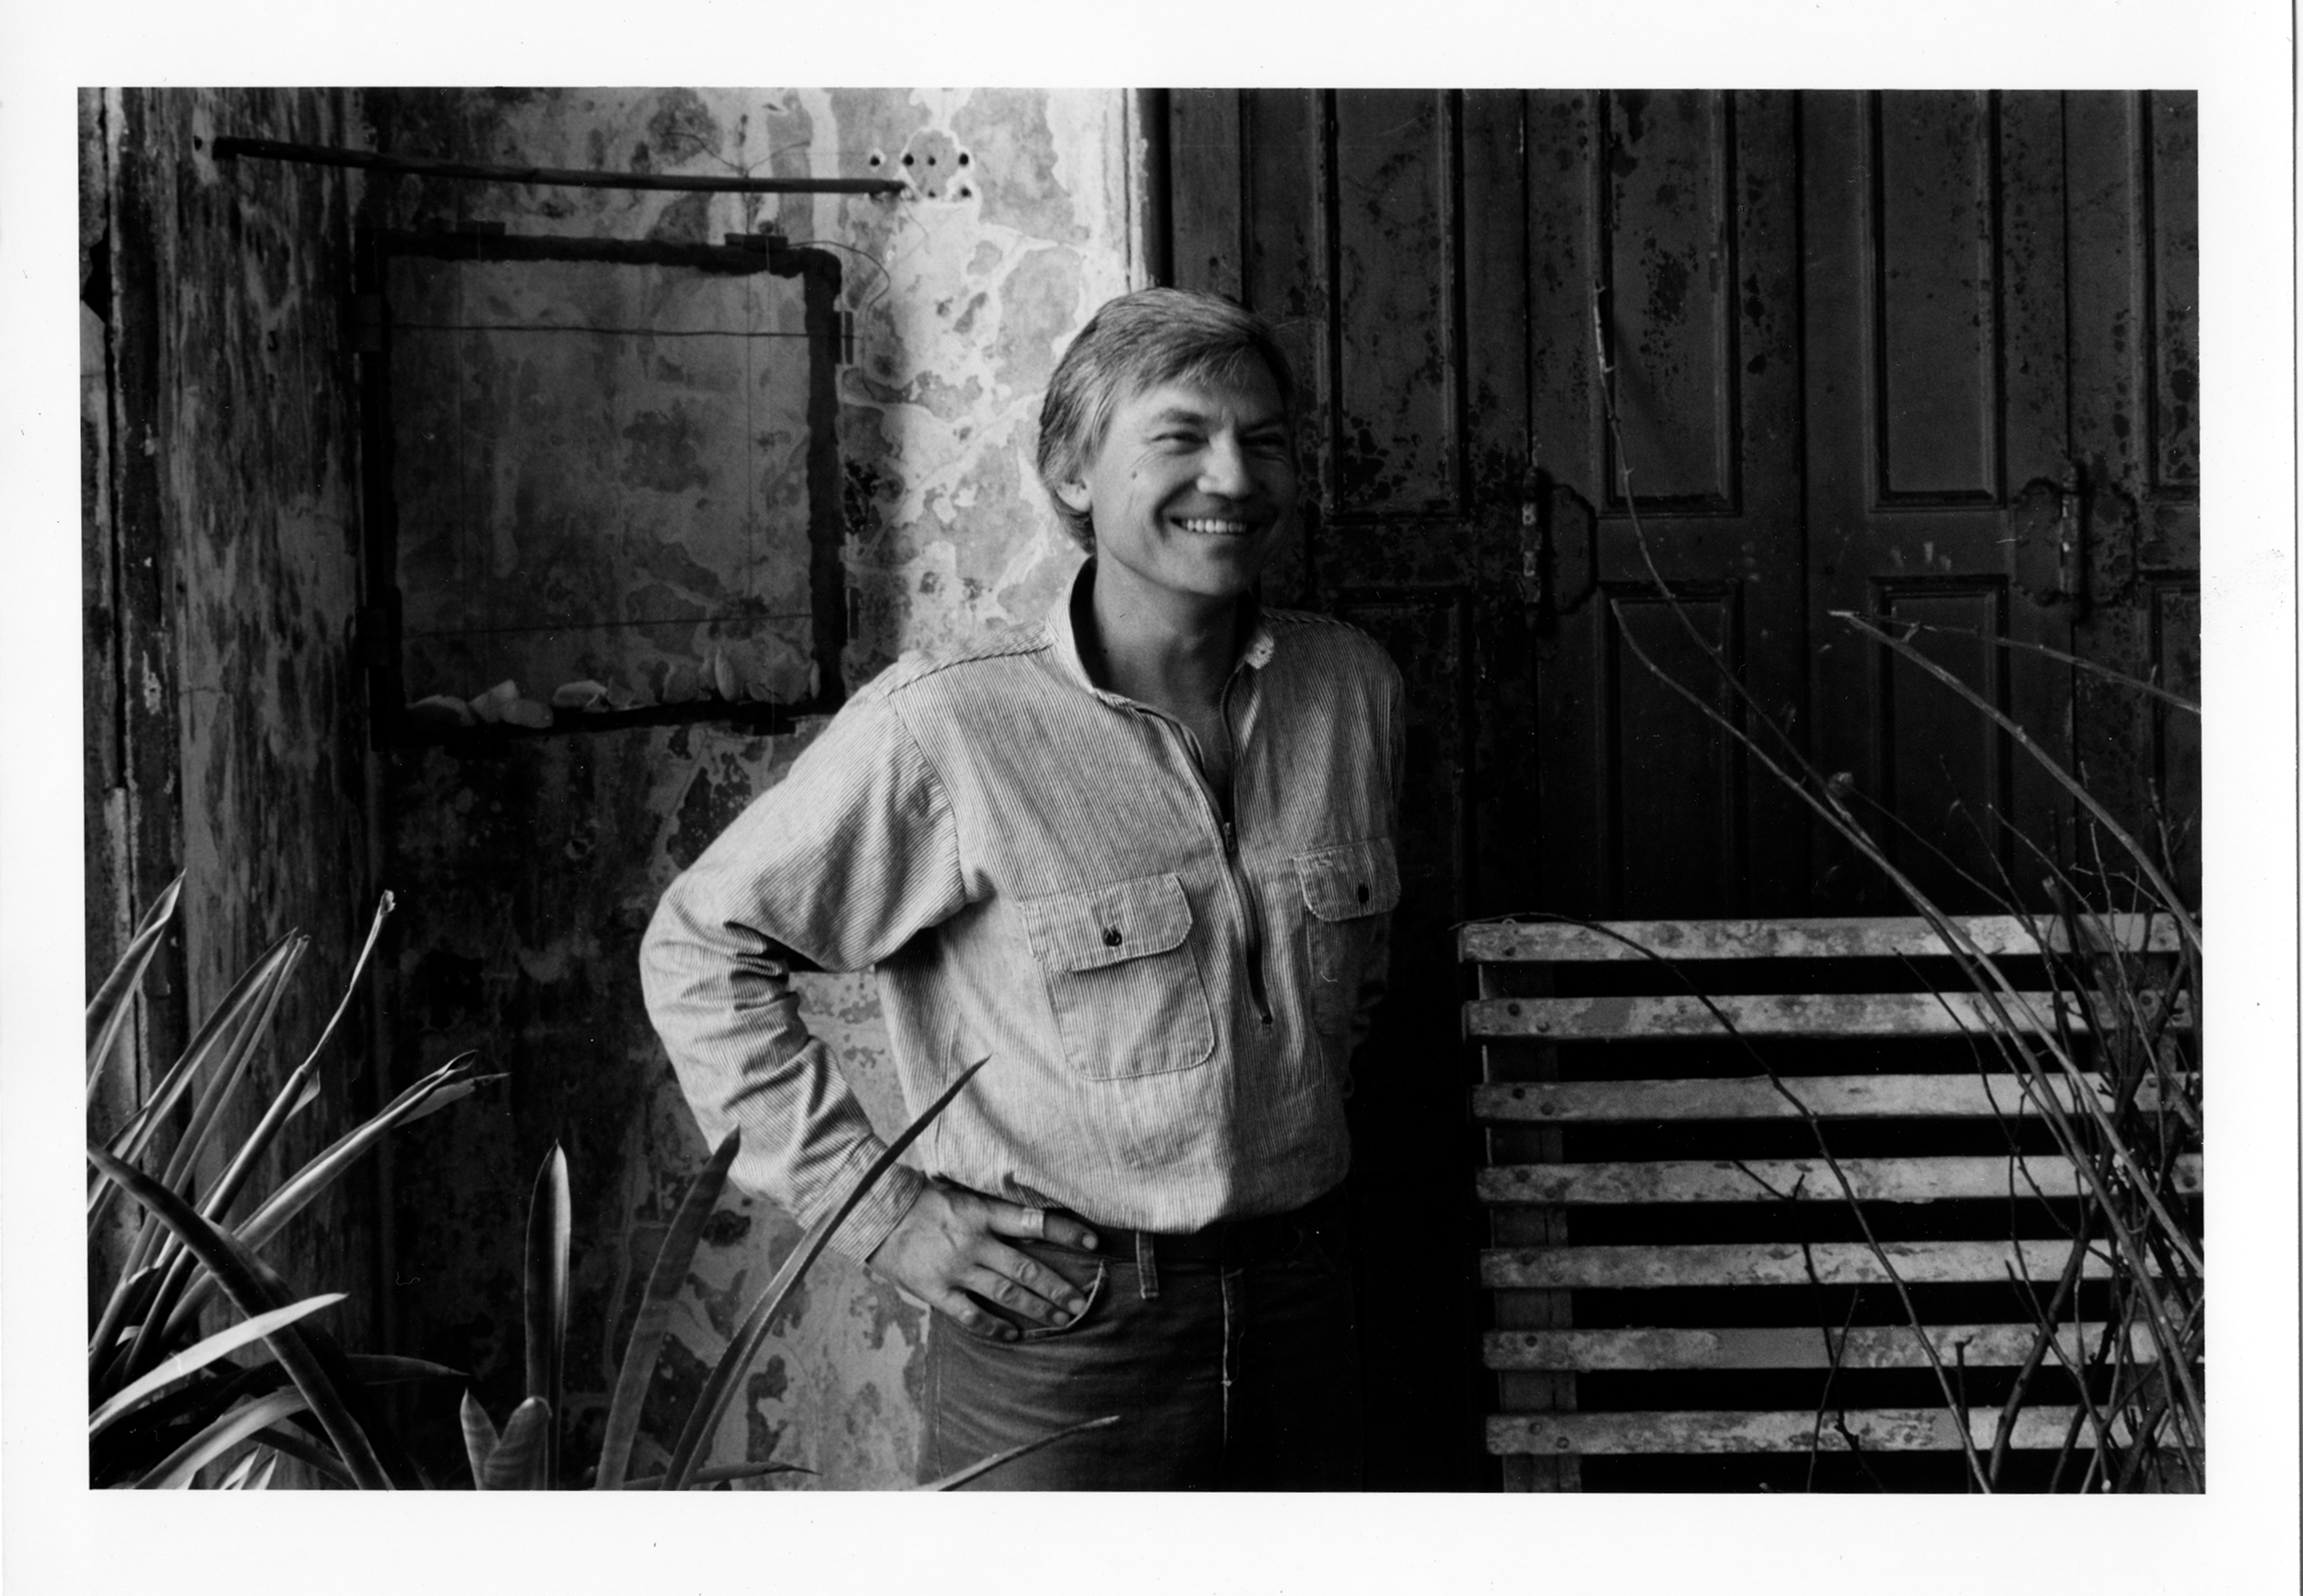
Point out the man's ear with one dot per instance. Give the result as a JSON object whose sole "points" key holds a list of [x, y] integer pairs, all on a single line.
{"points": [[1074, 495]]}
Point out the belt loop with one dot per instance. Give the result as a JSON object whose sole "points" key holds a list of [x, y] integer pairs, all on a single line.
{"points": [[1147, 1267]]}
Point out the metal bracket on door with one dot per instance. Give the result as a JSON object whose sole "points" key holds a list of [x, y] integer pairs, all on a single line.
{"points": [[2071, 541], [2047, 524], [1556, 529]]}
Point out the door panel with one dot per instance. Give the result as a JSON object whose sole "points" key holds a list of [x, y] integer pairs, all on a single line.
{"points": [[1668, 231], [1932, 352], [2134, 275], [1928, 358], [1676, 212], [1934, 271], [1396, 401], [1674, 805]]}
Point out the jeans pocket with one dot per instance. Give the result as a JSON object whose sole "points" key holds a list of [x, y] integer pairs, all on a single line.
{"points": [[1083, 1272], [1092, 1291]]}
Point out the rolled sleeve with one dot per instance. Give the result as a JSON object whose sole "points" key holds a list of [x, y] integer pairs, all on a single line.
{"points": [[847, 858]]}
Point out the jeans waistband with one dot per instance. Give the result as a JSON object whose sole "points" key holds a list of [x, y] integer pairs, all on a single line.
{"points": [[1250, 1241]]}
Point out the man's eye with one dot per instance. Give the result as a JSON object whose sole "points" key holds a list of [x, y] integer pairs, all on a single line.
{"points": [[1177, 439]]}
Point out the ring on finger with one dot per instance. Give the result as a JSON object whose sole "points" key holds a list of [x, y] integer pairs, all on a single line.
{"points": [[1035, 1221]]}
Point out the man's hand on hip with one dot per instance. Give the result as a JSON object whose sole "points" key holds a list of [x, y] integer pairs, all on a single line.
{"points": [[949, 1245]]}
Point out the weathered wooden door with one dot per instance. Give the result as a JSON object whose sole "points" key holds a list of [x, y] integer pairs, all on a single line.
{"points": [[1926, 357]]}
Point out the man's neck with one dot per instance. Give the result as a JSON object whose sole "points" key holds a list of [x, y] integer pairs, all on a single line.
{"points": [[1173, 651]]}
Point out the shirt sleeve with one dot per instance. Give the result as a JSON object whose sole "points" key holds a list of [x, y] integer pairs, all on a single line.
{"points": [[845, 860]]}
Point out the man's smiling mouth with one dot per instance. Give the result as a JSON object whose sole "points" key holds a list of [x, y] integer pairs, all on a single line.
{"points": [[1214, 526]]}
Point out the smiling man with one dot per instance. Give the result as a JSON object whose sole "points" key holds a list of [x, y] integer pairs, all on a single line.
{"points": [[1139, 856]]}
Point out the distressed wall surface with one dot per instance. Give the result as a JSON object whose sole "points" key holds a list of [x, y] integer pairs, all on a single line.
{"points": [[603, 504], [529, 873], [225, 731]]}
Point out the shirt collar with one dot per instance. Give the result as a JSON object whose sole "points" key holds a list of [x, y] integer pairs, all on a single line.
{"points": [[1063, 630]]}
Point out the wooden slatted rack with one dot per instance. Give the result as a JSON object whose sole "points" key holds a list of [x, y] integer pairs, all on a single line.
{"points": [[1677, 1272]]}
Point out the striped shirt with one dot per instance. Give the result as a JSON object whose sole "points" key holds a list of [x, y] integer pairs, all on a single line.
{"points": [[1042, 875]]}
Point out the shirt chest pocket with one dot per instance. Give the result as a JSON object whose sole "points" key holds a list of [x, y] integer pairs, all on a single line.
{"points": [[1347, 891], [1127, 993]]}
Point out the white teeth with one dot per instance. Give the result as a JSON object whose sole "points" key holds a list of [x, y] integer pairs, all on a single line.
{"points": [[1228, 528]]}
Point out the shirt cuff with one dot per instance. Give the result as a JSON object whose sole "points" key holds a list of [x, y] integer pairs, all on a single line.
{"points": [[882, 1207]]}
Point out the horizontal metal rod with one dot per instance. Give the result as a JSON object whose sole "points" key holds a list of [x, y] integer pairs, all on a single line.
{"points": [[322, 154]]}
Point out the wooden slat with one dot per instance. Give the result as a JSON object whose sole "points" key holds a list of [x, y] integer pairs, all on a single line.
{"points": [[1866, 938], [1787, 1346], [1818, 1015], [1755, 1096], [1778, 1264], [1808, 1180], [1877, 1429]]}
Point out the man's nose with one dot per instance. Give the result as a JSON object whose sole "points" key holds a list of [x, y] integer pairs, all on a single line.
{"points": [[1224, 469]]}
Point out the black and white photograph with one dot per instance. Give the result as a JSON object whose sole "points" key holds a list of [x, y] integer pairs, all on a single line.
{"points": [[1349, 798]]}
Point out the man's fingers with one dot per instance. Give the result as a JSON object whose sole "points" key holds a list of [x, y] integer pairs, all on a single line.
{"points": [[949, 1245], [1068, 1232], [972, 1319], [1038, 1224], [1034, 1276], [1028, 1290]]}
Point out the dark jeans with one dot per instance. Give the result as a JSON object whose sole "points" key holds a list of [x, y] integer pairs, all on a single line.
{"points": [[1227, 1374]]}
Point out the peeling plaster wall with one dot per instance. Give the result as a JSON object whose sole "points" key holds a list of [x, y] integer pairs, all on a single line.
{"points": [[227, 724], [529, 873]]}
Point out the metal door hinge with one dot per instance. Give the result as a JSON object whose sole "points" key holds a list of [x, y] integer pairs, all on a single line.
{"points": [[2071, 541]]}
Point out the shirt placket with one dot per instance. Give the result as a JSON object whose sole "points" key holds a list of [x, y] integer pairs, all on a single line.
{"points": [[1183, 748]]}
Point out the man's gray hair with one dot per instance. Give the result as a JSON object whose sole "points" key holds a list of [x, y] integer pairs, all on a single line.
{"points": [[1132, 344]]}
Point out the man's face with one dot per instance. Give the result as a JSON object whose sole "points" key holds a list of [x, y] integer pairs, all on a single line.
{"points": [[1192, 485]]}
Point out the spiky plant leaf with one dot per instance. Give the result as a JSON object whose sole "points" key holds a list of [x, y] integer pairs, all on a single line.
{"points": [[208, 1107], [236, 1269], [378, 1369], [108, 1010], [219, 1437], [129, 1301], [299, 1190], [289, 1444], [191, 1361], [240, 1471], [982, 1466], [224, 1024], [207, 1116], [744, 1345], [479, 1438], [664, 1280], [518, 1461], [295, 1093], [546, 1298], [315, 1177], [718, 1474], [447, 1095]]}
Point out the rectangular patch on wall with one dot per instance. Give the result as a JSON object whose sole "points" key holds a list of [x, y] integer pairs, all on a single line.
{"points": [[598, 469]]}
